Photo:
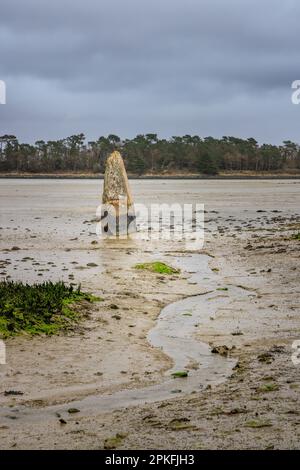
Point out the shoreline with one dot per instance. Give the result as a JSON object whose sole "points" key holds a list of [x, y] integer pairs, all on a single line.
{"points": [[89, 176]]}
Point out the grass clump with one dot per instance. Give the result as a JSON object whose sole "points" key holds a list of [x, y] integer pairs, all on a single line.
{"points": [[269, 387], [40, 308], [180, 374], [157, 267], [256, 424], [296, 236], [180, 424], [115, 441]]}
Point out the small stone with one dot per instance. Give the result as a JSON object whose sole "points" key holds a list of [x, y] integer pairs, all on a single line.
{"points": [[73, 410]]}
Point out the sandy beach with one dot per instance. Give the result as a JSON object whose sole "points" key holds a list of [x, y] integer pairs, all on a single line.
{"points": [[237, 296]]}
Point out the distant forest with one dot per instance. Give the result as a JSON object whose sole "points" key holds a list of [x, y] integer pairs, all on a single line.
{"points": [[148, 154]]}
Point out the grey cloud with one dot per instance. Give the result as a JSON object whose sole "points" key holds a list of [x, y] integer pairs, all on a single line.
{"points": [[101, 66]]}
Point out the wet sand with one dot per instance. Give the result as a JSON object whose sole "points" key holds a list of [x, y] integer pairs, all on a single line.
{"points": [[48, 232]]}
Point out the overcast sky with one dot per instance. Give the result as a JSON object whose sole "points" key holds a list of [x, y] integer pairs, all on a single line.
{"points": [[172, 67]]}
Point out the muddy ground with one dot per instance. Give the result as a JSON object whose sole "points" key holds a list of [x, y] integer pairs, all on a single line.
{"points": [[250, 240]]}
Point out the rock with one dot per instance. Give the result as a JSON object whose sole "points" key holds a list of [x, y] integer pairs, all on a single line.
{"points": [[117, 211], [236, 411], [73, 410], [113, 307], [237, 333], [277, 349], [180, 424], [222, 350], [13, 392], [265, 357]]}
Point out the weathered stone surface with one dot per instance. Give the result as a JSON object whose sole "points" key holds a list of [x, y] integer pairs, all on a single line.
{"points": [[116, 184], [118, 216]]}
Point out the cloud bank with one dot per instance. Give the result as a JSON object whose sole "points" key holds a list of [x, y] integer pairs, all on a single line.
{"points": [[206, 67]]}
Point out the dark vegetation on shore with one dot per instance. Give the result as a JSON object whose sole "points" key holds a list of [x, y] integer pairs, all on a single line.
{"points": [[40, 308], [148, 154]]}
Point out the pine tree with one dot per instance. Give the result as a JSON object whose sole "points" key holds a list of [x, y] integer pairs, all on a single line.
{"points": [[207, 164]]}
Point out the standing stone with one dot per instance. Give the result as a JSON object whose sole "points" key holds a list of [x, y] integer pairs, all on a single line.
{"points": [[117, 217]]}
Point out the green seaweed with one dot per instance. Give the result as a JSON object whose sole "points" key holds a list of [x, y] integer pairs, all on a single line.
{"points": [[180, 374], [253, 423], [296, 236], [39, 308], [114, 441], [157, 267], [269, 387]]}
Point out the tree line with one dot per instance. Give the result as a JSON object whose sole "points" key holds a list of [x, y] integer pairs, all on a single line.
{"points": [[148, 154]]}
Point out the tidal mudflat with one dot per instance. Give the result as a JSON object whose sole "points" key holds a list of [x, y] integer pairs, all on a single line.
{"points": [[238, 298]]}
